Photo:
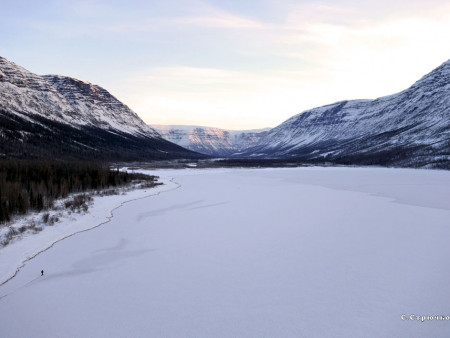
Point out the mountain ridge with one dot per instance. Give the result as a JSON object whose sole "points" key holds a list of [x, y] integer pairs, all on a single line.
{"points": [[211, 141], [76, 119], [105, 110], [409, 128]]}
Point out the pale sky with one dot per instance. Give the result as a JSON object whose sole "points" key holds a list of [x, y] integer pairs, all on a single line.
{"points": [[236, 64]]}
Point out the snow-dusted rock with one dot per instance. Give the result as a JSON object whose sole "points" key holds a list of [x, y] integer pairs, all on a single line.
{"points": [[58, 116], [98, 106], [210, 141], [408, 128]]}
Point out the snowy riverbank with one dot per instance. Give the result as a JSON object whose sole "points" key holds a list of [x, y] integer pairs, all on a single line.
{"points": [[14, 255]]}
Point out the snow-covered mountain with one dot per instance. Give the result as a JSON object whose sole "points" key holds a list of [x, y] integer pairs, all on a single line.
{"points": [[99, 107], [81, 118], [210, 141], [57, 116], [410, 128]]}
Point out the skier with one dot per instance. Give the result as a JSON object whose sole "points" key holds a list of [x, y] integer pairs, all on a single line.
{"points": [[42, 272]]}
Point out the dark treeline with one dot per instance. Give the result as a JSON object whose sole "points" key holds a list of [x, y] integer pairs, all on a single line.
{"points": [[34, 185]]}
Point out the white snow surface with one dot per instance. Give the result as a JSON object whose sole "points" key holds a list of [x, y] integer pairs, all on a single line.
{"points": [[304, 252]]}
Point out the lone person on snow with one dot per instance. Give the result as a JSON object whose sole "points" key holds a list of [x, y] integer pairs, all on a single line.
{"points": [[42, 272]]}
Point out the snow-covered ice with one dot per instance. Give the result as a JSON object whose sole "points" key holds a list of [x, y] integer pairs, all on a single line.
{"points": [[13, 257], [305, 252]]}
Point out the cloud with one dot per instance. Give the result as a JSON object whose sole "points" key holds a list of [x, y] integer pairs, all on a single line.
{"points": [[220, 19]]}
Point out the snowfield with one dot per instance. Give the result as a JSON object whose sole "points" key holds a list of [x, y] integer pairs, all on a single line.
{"points": [[305, 252]]}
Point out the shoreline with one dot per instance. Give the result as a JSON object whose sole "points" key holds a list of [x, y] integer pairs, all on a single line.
{"points": [[14, 256]]}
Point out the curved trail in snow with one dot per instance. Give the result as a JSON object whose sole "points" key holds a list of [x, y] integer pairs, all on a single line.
{"points": [[108, 219], [20, 287]]}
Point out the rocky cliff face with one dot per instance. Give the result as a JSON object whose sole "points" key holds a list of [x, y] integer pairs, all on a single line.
{"points": [[23, 92], [411, 128], [211, 141], [58, 116], [99, 107]]}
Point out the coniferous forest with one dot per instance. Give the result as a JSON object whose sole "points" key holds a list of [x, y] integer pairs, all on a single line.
{"points": [[35, 185]]}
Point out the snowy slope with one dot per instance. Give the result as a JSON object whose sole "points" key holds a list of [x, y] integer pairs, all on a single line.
{"points": [[209, 140], [23, 92], [408, 128], [52, 115], [308, 252], [99, 107], [66, 100]]}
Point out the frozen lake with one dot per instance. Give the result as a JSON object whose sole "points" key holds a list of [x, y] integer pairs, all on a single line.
{"points": [[305, 252]]}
